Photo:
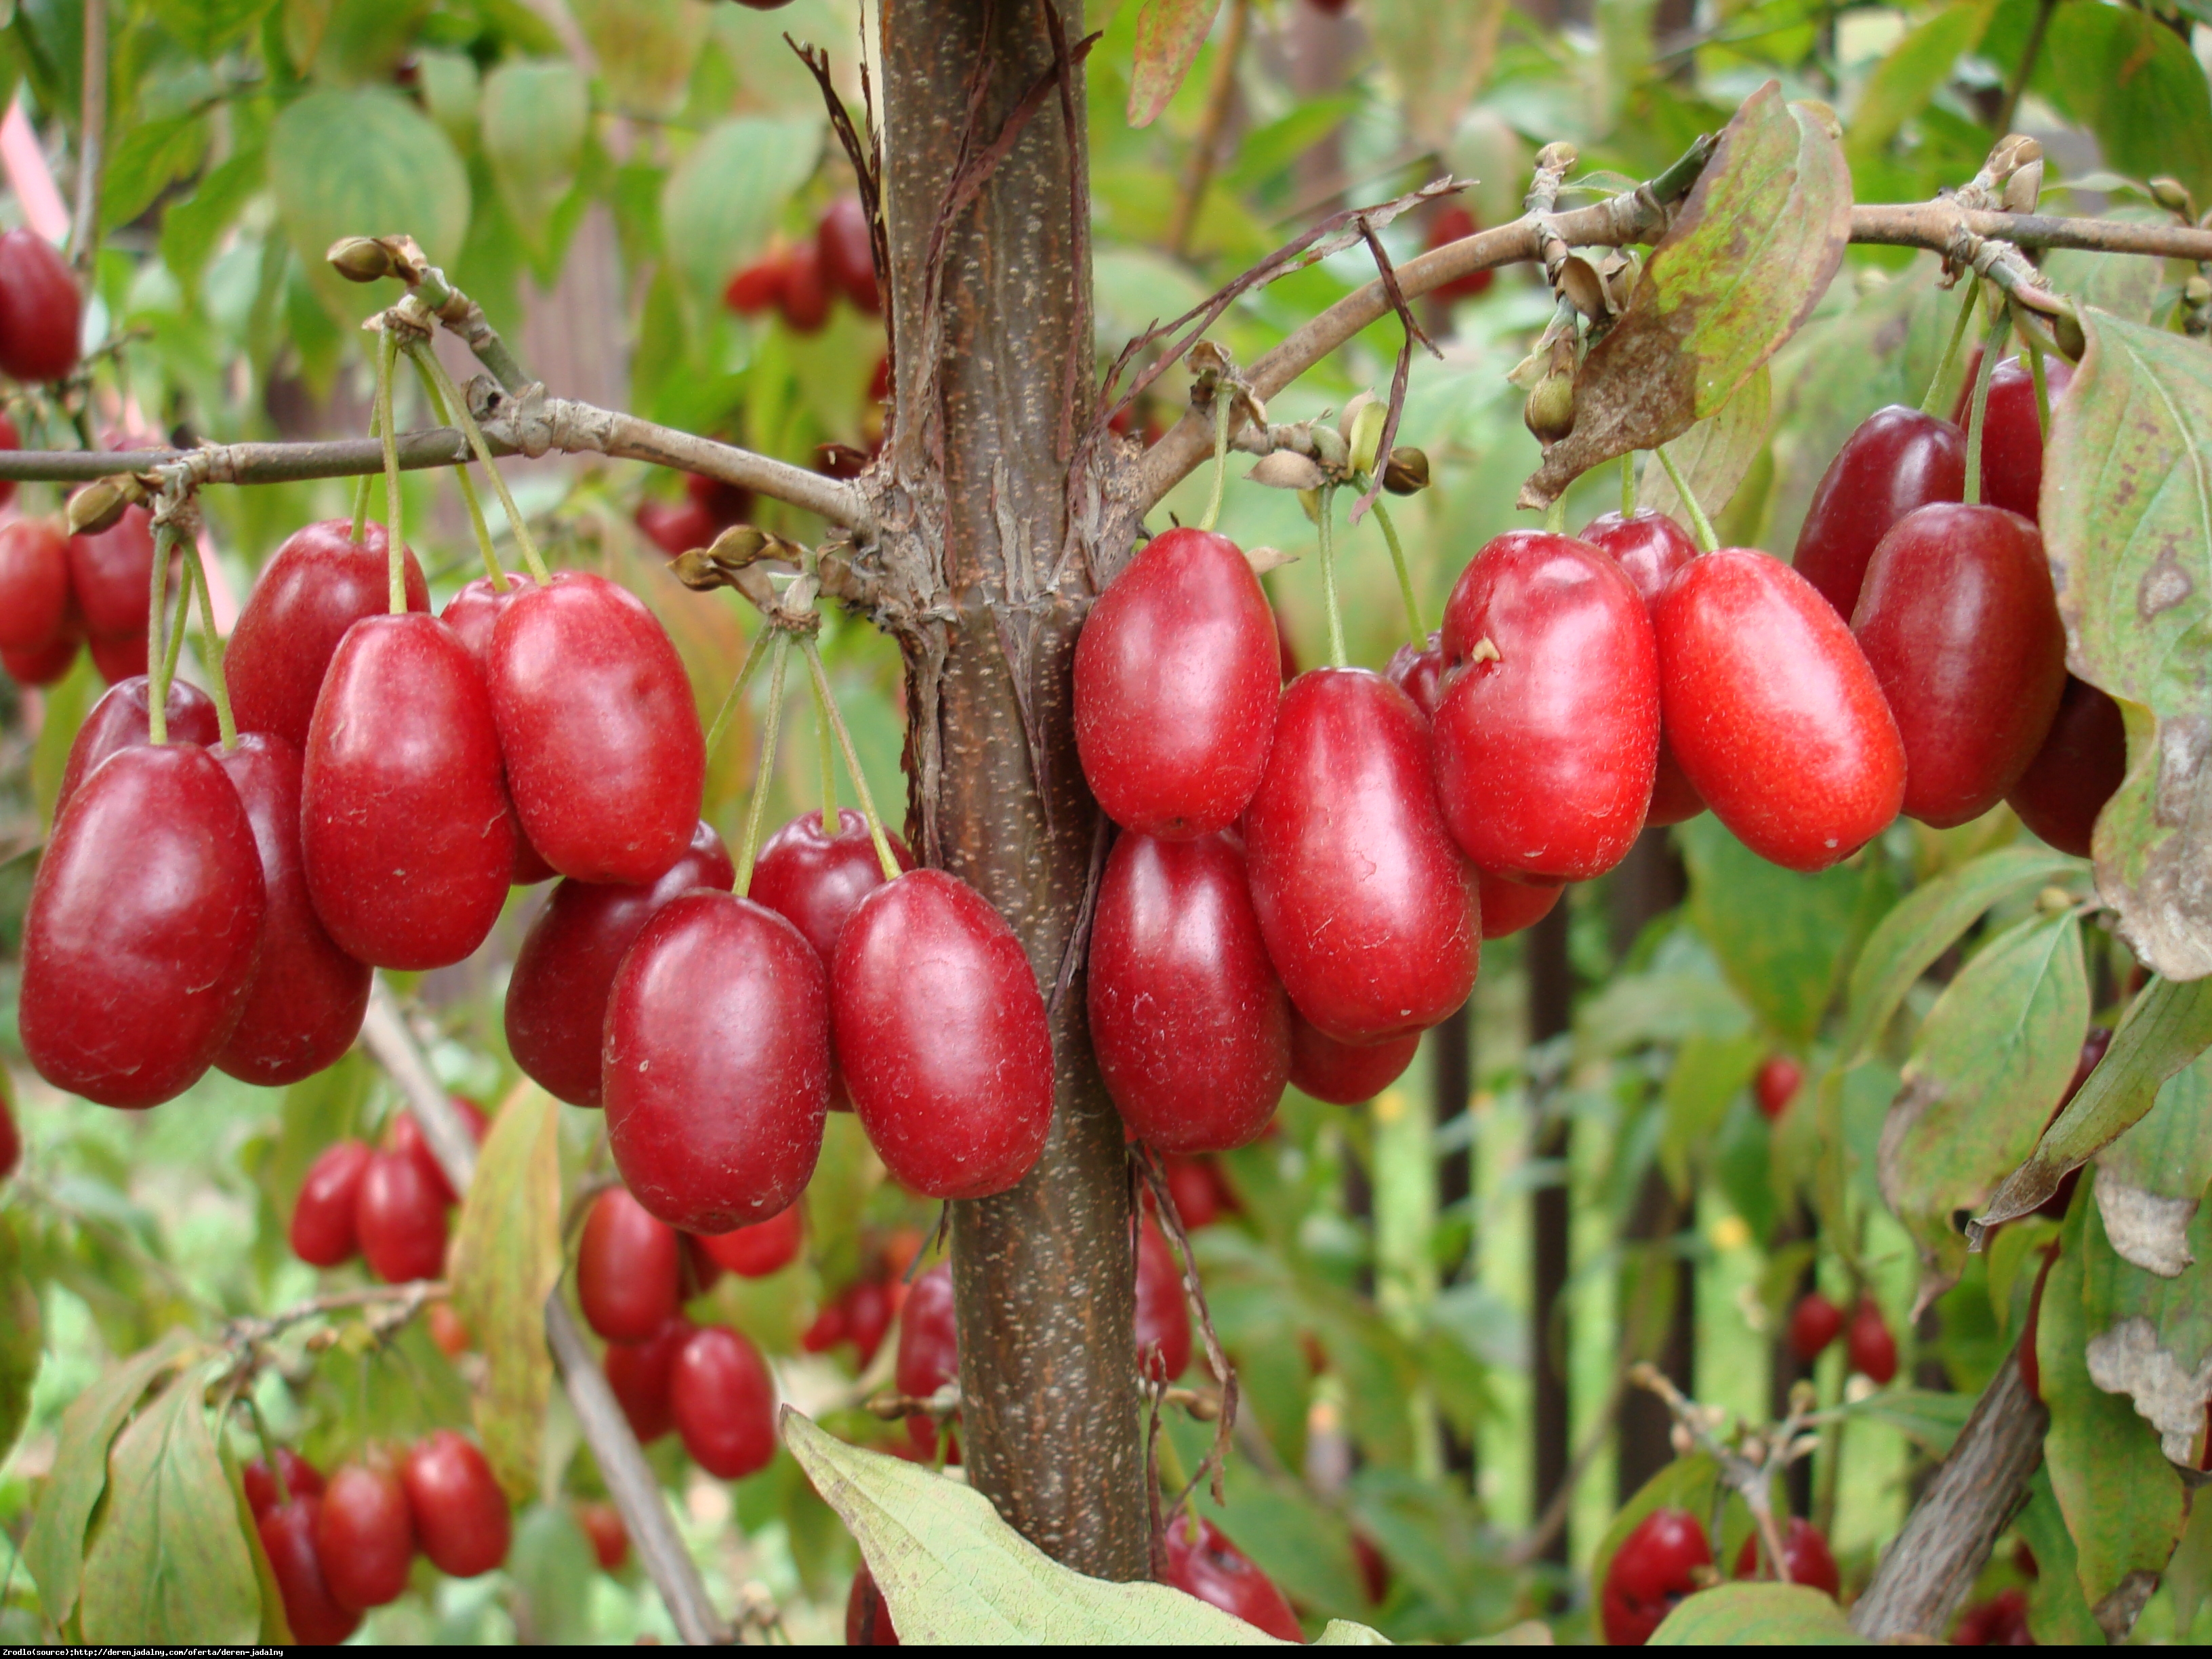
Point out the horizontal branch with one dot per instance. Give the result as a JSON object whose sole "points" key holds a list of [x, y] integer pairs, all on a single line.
{"points": [[1622, 220]]}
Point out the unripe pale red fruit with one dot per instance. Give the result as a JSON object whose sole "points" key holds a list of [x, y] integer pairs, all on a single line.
{"points": [[318, 585], [404, 823], [627, 1273], [365, 1536], [1176, 679], [762, 1249], [1898, 459], [41, 313], [109, 575], [1805, 1558], [118, 721], [1959, 623], [460, 1515], [35, 584], [1369, 909], [323, 1231], [1868, 1344], [940, 1029], [1344, 1073], [143, 929], [716, 1063], [1189, 1023], [604, 756], [1509, 906], [639, 1375], [400, 1219], [1547, 729], [724, 1402], [301, 1480], [1774, 711], [1775, 1086], [1654, 1567], [288, 1539], [1203, 1564], [2082, 762], [1814, 1323]]}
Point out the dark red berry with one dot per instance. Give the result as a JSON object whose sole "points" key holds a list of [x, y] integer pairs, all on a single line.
{"points": [[47, 664], [1163, 1316], [1655, 1566], [2080, 763], [1344, 1073], [2012, 433], [847, 253], [1898, 459], [638, 1373], [1777, 1084], [365, 1536], [1814, 1323], [762, 1249], [400, 1219], [1454, 222], [724, 1402], [1511, 905], [1806, 1557], [460, 1515], [118, 721], [1203, 1564], [109, 575], [806, 296], [323, 1230], [603, 1525], [1868, 1344], [301, 1480], [41, 313], [867, 1615], [627, 1273], [35, 584], [403, 1137], [758, 289], [288, 1539], [928, 1348]]}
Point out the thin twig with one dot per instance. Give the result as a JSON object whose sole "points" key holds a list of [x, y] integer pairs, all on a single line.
{"points": [[92, 134]]}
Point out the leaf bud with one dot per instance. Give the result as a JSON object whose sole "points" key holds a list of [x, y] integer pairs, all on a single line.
{"points": [[1559, 155], [1406, 471], [1550, 411], [360, 259], [697, 571], [2170, 194], [1362, 426], [99, 506], [2197, 290], [1330, 448]]}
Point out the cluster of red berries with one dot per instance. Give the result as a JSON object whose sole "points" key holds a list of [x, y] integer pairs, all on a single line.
{"points": [[861, 1314], [1868, 1347], [58, 592], [799, 278], [1668, 1557], [338, 1549], [388, 1206]]}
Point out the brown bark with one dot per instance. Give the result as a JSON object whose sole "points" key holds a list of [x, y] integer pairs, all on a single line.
{"points": [[992, 309]]}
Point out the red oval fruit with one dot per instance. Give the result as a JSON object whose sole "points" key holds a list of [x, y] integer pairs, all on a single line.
{"points": [[638, 1373], [603, 752], [448, 1331], [365, 1537], [1650, 547], [557, 1001], [308, 997], [41, 313], [2012, 435], [1654, 1567], [717, 1063], [472, 614], [627, 1273], [1201, 1194], [403, 823], [35, 584], [1509, 906], [675, 527], [118, 721], [1547, 732], [1420, 673], [119, 660], [1454, 222], [287, 1538], [847, 253], [1189, 1023], [460, 1515], [603, 1525], [1203, 1564], [1898, 459], [762, 1249], [1805, 1558], [1959, 623], [1868, 1344], [758, 289], [318, 585], [1776, 1084], [724, 1402], [867, 1615], [804, 298], [928, 1348], [323, 1232], [1342, 1074], [301, 1480], [1369, 910], [1163, 1316], [47, 664], [143, 929], [1776, 717], [403, 1137], [400, 1219], [1176, 677], [110, 574], [1814, 1323], [2075, 773], [940, 1030]]}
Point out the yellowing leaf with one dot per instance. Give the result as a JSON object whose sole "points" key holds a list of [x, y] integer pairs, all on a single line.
{"points": [[1757, 1615], [1169, 34]]}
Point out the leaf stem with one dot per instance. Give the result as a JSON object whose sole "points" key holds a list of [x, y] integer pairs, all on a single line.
{"points": [[1932, 404], [1221, 406], [436, 371], [497, 576], [175, 649], [757, 812], [211, 645], [1405, 578], [2042, 385], [395, 554], [1336, 651], [826, 746], [161, 663], [1555, 516], [1990, 347], [884, 854], [1628, 485], [1700, 526], [755, 656]]}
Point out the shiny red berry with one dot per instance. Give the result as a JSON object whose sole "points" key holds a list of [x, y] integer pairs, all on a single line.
{"points": [[1655, 1566], [724, 1402], [639, 1373], [1344, 1073], [288, 1539], [34, 584], [41, 313], [118, 721], [460, 1515], [301, 1480], [762, 1249], [365, 1536], [1777, 1084], [323, 1231], [627, 1273], [400, 1219], [1203, 1563], [1814, 1323], [1868, 1344], [1897, 459], [1805, 1558]]}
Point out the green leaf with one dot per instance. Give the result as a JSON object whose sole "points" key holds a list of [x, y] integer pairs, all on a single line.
{"points": [[1438, 57], [170, 1564], [1687, 1483], [1927, 923], [364, 162], [54, 1551], [2134, 83], [953, 1571], [2166, 1026], [551, 1569], [1707, 1074], [2124, 1504], [645, 49], [67, 704], [21, 1329], [1169, 34], [152, 156], [1996, 1052], [207, 27], [1749, 255], [1914, 71], [2151, 1181], [1755, 1615], [2127, 522], [1782, 938], [535, 116], [1713, 455], [505, 1261], [451, 93], [717, 207], [2055, 1606], [191, 228], [2151, 1334]]}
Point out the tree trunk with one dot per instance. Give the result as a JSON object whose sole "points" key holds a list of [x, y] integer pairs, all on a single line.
{"points": [[995, 375]]}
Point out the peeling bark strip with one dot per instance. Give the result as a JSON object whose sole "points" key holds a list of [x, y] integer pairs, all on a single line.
{"points": [[985, 210]]}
